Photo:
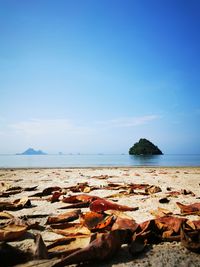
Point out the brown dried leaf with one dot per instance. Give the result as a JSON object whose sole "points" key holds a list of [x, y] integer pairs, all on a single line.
{"points": [[101, 248], [189, 209], [64, 217], [16, 204], [93, 220], [80, 198], [190, 240], [124, 224], [100, 205], [153, 189], [47, 191], [160, 212], [12, 232], [66, 246], [169, 223], [72, 230], [6, 215]]}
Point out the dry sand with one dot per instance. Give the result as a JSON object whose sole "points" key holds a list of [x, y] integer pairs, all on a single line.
{"points": [[166, 254]]}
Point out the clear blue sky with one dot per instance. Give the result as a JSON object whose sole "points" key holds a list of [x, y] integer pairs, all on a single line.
{"points": [[95, 76]]}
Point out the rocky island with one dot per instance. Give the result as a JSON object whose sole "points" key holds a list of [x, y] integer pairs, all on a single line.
{"points": [[144, 147], [31, 151]]}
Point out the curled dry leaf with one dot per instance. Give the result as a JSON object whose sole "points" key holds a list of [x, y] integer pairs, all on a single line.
{"points": [[101, 248], [6, 215], [153, 189], [40, 250], [66, 246], [190, 240], [64, 217], [160, 212], [80, 198], [12, 232], [71, 230], [189, 209], [100, 205], [168, 223], [55, 196], [47, 191], [124, 224], [16, 204], [137, 245], [93, 220]]}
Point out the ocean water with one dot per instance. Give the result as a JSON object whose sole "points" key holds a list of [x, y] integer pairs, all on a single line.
{"points": [[27, 161]]}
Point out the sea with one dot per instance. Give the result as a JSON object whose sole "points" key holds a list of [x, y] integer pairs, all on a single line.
{"points": [[97, 160]]}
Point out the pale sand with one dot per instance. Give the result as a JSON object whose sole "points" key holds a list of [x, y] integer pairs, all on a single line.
{"points": [[167, 254]]}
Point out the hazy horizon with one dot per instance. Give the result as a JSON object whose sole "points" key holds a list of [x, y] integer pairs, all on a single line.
{"points": [[96, 76]]}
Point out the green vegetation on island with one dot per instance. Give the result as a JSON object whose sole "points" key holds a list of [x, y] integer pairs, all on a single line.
{"points": [[144, 147]]}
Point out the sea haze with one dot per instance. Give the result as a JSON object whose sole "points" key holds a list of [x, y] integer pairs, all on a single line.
{"points": [[96, 160]]}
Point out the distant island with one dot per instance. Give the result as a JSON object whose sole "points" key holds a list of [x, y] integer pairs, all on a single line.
{"points": [[144, 147], [31, 151]]}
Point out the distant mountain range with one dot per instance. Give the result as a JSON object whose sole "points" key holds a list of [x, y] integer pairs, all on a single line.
{"points": [[31, 151]]}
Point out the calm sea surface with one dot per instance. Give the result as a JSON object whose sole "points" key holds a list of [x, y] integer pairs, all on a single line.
{"points": [[19, 161]]}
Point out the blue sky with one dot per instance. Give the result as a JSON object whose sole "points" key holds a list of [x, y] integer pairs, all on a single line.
{"points": [[95, 76]]}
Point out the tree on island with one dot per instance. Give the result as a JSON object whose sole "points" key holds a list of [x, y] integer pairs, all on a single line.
{"points": [[144, 147]]}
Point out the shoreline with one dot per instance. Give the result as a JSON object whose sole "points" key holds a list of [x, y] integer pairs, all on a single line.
{"points": [[102, 167]]}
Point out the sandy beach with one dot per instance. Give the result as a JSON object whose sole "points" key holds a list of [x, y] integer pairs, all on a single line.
{"points": [[108, 183]]}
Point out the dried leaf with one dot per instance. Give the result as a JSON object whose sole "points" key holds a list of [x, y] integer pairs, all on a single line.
{"points": [[66, 246], [64, 217], [72, 229], [137, 245], [124, 224], [160, 212], [168, 223], [153, 189], [93, 220], [12, 232], [100, 205], [6, 215], [16, 204], [47, 191], [190, 240], [101, 248], [40, 251], [189, 209], [80, 198], [55, 197]]}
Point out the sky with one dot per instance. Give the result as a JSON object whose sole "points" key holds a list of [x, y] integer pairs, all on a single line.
{"points": [[96, 76]]}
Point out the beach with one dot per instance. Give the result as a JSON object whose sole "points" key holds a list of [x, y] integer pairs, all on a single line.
{"points": [[109, 183]]}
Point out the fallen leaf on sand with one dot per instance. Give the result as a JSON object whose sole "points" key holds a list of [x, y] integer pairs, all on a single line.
{"points": [[6, 215], [124, 224], [153, 189], [55, 196], [93, 220], [100, 205], [160, 212], [101, 248], [16, 204], [66, 246], [189, 209], [47, 191], [80, 198], [12, 232], [137, 245], [71, 229], [64, 217], [190, 240]]}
